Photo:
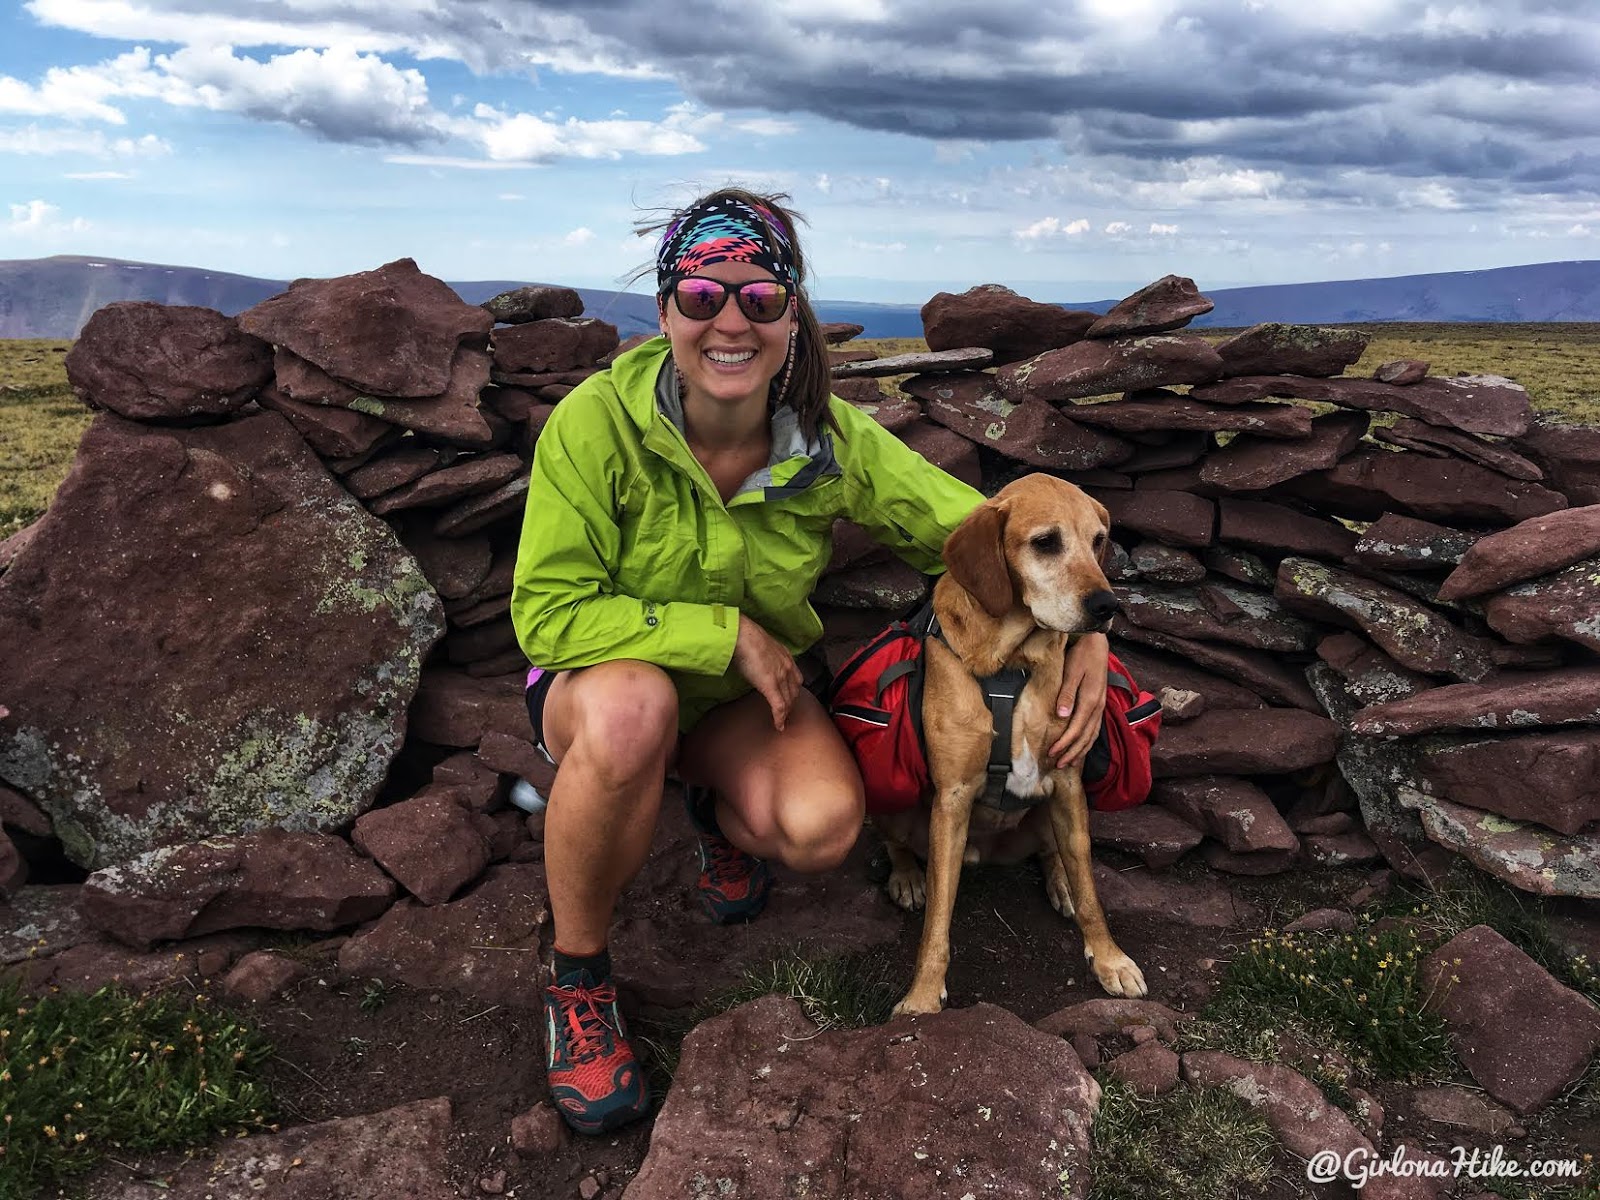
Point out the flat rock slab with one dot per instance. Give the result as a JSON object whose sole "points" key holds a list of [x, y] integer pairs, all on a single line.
{"points": [[336, 433], [1101, 367], [1399, 543], [891, 586], [1163, 411], [1173, 518], [1157, 836], [1432, 439], [1570, 456], [1279, 529], [1523, 1036], [1413, 634], [1253, 463], [1535, 547], [537, 302], [430, 844], [1031, 431], [1156, 672], [41, 921], [553, 344], [1371, 482], [454, 709], [1217, 612], [1514, 700], [401, 1152], [764, 1105], [1474, 403], [266, 636], [1402, 371], [1305, 1121], [1552, 779], [1370, 674], [1529, 857], [389, 332], [1171, 302], [1278, 349], [270, 880], [506, 503], [165, 362], [1165, 564], [969, 358], [1267, 741], [1566, 604], [447, 484], [1206, 903], [488, 944], [1234, 811], [1267, 675], [1012, 326], [1113, 1016]]}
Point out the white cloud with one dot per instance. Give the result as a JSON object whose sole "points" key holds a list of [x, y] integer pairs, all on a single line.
{"points": [[1157, 229], [1430, 195], [1118, 229], [40, 217], [876, 247], [523, 137], [581, 236], [823, 184], [90, 143], [99, 175], [1580, 230], [510, 196], [767, 127], [1052, 227]]}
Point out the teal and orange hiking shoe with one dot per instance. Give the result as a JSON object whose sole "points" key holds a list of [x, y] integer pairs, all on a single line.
{"points": [[596, 1081], [733, 885]]}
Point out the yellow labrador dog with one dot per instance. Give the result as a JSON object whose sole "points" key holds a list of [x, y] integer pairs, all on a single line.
{"points": [[1024, 577]]}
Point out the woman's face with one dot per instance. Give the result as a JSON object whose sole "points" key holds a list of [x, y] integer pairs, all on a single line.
{"points": [[728, 360]]}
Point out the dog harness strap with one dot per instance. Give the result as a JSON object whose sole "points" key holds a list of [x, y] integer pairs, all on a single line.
{"points": [[1000, 692], [1118, 679]]}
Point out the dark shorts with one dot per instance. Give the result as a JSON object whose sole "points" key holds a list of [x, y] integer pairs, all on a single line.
{"points": [[539, 681]]}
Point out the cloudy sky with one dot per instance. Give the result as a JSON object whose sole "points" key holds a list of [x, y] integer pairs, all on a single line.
{"points": [[1072, 148]]}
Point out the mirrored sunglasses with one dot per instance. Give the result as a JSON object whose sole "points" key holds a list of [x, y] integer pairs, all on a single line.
{"points": [[761, 300]]}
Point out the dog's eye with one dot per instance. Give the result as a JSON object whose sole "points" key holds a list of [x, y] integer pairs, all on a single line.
{"points": [[1099, 542], [1048, 543]]}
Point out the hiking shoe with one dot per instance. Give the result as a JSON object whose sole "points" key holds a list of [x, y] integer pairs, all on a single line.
{"points": [[596, 1082], [733, 885]]}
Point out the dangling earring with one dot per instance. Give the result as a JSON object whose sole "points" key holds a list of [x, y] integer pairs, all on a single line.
{"points": [[782, 396]]}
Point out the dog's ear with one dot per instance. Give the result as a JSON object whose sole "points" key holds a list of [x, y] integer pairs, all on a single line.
{"points": [[976, 556], [1103, 555]]}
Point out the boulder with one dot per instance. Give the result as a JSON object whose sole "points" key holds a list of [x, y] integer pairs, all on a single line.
{"points": [[1565, 604], [1269, 741], [429, 844], [1523, 1037], [1234, 811], [1402, 372], [389, 332], [1278, 349], [1399, 543], [1101, 367], [836, 333], [1528, 857], [1549, 778], [1012, 326], [1171, 302], [262, 975], [777, 1108], [537, 302], [553, 344], [1159, 837], [1532, 548], [1031, 432], [267, 632], [1278, 529], [403, 1151], [1150, 1069], [487, 944], [166, 362], [1513, 700], [272, 880], [452, 414], [1413, 634]]}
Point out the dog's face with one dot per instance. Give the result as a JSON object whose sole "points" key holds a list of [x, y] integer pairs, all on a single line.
{"points": [[1040, 544]]}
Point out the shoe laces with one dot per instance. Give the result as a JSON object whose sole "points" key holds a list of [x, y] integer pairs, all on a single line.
{"points": [[584, 1012], [726, 859]]}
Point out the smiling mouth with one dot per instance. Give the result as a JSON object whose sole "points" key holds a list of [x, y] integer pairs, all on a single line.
{"points": [[727, 359]]}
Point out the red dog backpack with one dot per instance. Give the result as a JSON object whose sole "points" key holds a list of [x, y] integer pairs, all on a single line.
{"points": [[875, 701]]}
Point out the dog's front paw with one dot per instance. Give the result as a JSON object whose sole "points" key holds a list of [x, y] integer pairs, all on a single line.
{"points": [[921, 1002], [907, 887], [1118, 974]]}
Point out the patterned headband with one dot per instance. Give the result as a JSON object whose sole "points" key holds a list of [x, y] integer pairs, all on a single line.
{"points": [[724, 230]]}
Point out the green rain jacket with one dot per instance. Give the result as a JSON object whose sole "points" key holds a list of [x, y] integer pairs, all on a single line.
{"points": [[628, 551]]}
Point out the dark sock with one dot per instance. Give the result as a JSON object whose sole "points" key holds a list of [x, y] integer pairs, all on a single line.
{"points": [[702, 803], [567, 966]]}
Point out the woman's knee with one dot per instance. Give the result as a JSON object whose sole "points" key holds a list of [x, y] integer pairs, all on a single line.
{"points": [[624, 717], [818, 825]]}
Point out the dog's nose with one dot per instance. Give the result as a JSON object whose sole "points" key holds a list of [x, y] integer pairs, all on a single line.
{"points": [[1102, 606]]}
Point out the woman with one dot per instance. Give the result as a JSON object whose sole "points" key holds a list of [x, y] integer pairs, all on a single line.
{"points": [[678, 517]]}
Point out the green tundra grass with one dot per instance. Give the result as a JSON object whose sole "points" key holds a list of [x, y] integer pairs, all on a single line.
{"points": [[41, 421]]}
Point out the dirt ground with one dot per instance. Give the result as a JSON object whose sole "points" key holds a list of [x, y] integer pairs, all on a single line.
{"points": [[335, 1058]]}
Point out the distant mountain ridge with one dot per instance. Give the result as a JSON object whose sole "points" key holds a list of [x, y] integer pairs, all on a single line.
{"points": [[54, 297]]}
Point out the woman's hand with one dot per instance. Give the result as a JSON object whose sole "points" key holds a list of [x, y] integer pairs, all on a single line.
{"points": [[1082, 698], [771, 669]]}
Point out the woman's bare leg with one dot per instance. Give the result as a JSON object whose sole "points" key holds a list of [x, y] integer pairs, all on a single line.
{"points": [[793, 797], [613, 729]]}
